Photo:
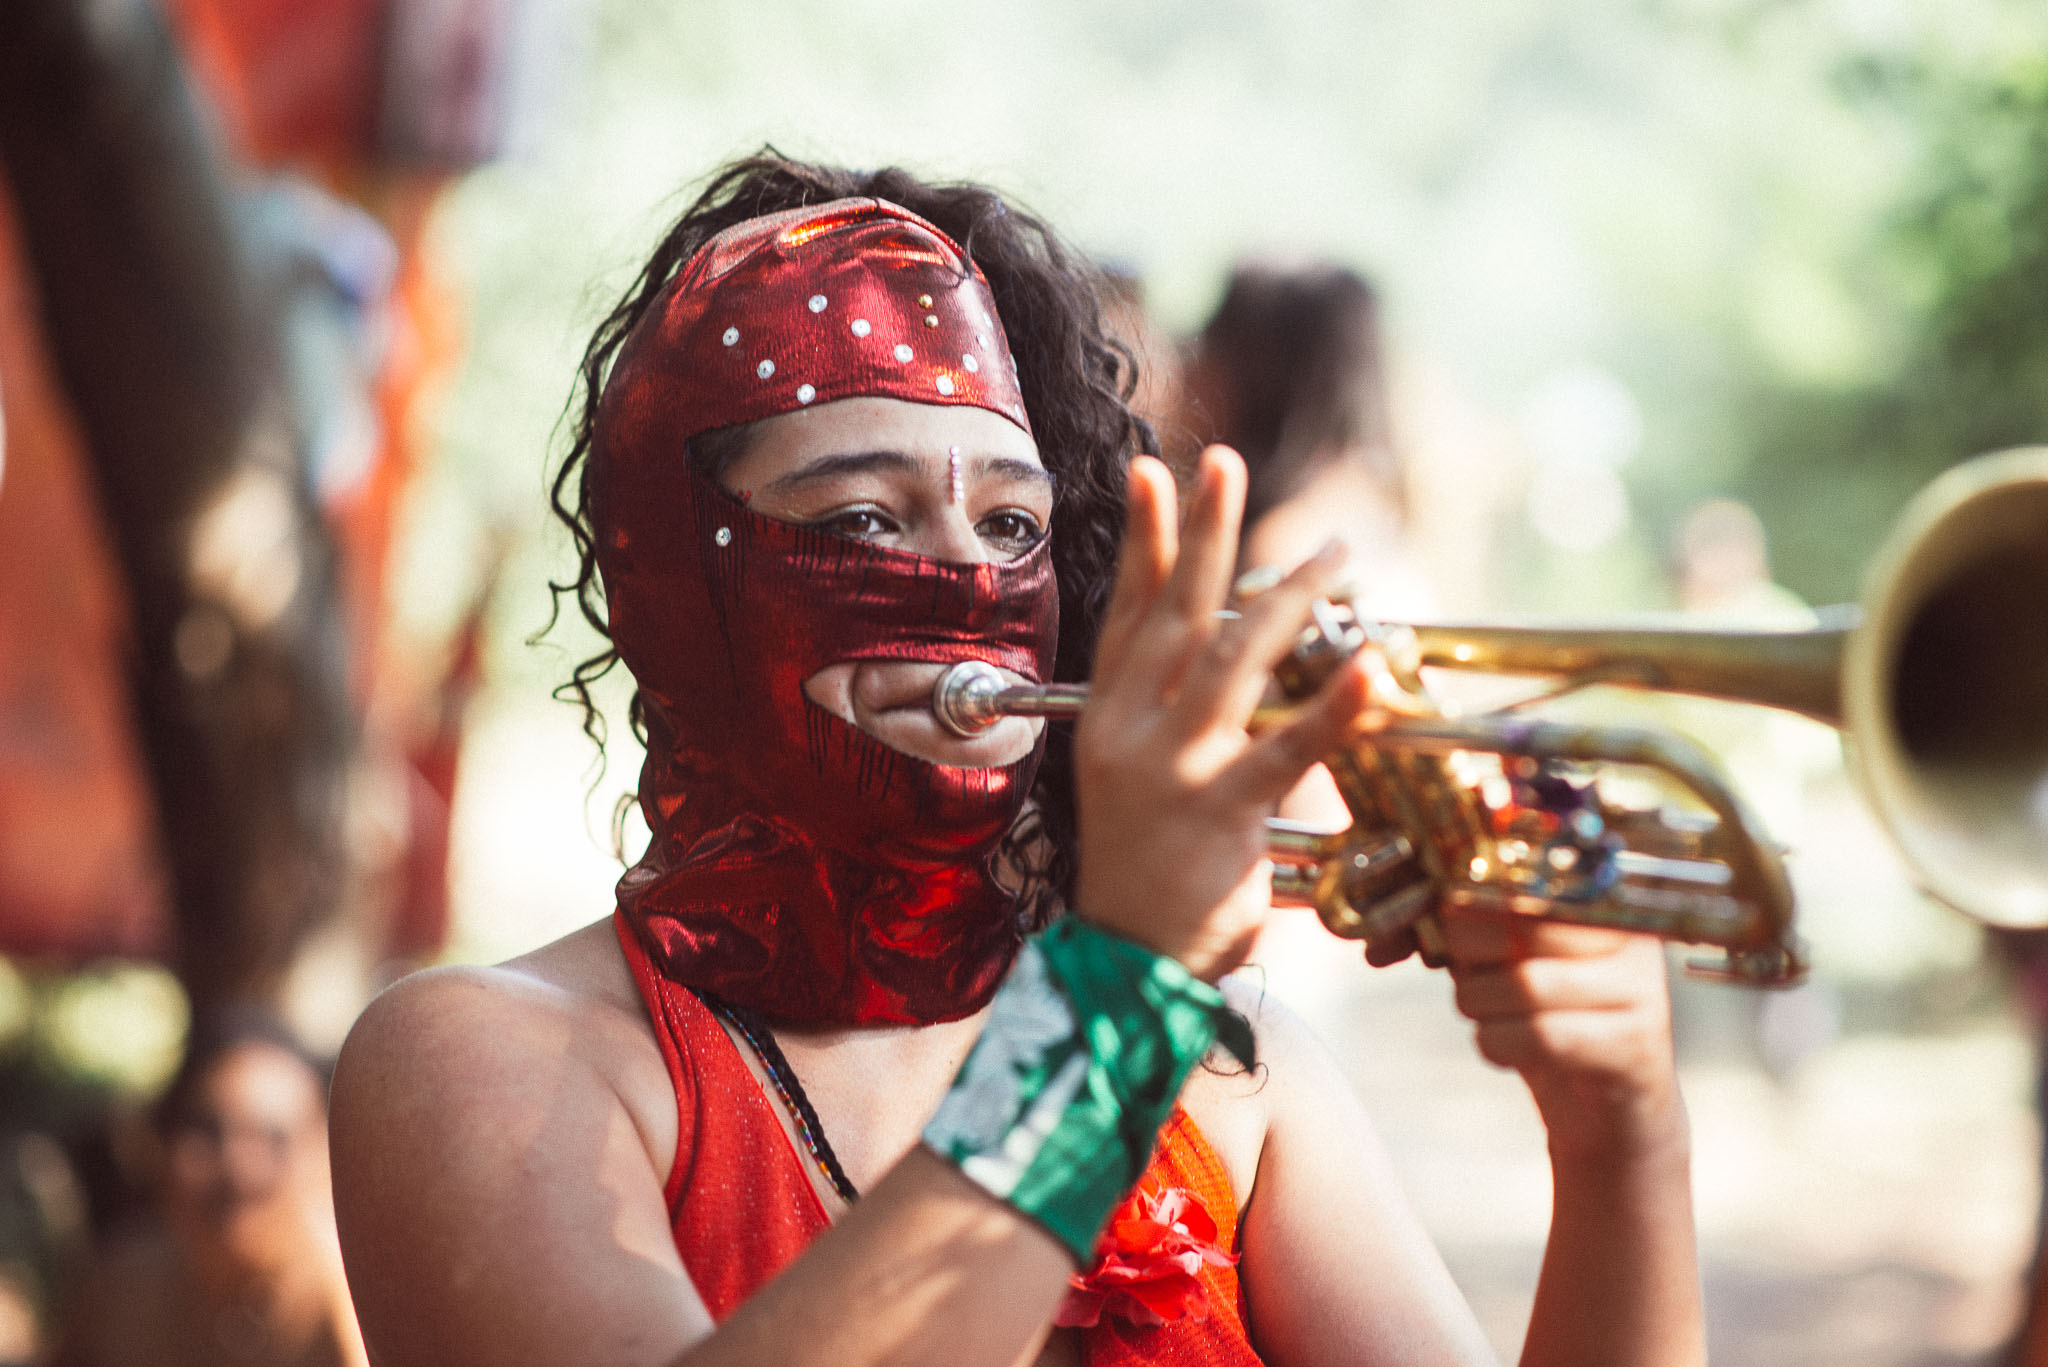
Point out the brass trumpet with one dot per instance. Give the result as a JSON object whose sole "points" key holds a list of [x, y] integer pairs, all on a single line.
{"points": [[1938, 681]]}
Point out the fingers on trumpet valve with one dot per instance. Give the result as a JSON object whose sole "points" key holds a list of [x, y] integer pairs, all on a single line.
{"points": [[1391, 653]]}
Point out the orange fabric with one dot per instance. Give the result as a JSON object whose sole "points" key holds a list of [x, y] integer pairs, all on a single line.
{"points": [[295, 80], [424, 350], [1184, 1159], [80, 873], [742, 1206]]}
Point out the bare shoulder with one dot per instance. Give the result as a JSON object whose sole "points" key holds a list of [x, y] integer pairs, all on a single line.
{"points": [[1336, 1268], [1289, 1053], [1236, 1107], [501, 1137], [566, 1011], [1279, 1031]]}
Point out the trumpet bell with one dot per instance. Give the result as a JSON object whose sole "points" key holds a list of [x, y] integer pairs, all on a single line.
{"points": [[1945, 688]]}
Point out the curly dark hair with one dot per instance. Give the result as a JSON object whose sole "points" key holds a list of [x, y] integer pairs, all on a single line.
{"points": [[1077, 380]]}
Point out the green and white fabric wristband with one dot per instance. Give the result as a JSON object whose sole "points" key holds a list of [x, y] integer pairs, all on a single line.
{"points": [[1060, 1102]]}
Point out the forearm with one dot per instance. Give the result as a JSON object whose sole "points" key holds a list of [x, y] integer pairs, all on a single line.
{"points": [[1050, 1122], [928, 1268], [1620, 1279], [1584, 1015]]}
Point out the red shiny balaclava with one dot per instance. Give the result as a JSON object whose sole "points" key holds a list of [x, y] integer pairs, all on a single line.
{"points": [[799, 866]]}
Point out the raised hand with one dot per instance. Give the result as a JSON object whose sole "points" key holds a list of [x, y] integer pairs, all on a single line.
{"points": [[1173, 791], [1584, 1015]]}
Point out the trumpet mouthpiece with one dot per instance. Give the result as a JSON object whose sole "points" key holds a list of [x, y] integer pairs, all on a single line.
{"points": [[964, 697]]}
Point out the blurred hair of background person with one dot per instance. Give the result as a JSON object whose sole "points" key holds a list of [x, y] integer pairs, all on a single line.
{"points": [[238, 1261], [1289, 371]]}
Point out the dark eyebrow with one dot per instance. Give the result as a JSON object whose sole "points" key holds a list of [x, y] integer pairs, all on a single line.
{"points": [[893, 462], [848, 463], [1009, 467]]}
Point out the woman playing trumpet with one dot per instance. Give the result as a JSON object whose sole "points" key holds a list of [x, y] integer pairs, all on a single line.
{"points": [[901, 1047]]}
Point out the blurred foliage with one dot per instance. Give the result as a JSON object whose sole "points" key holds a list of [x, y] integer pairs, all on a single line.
{"points": [[111, 1030], [1960, 269], [1536, 185], [122, 1027], [82, 1053], [1802, 231]]}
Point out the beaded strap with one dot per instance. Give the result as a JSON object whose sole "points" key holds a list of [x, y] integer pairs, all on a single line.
{"points": [[773, 1062], [1060, 1102]]}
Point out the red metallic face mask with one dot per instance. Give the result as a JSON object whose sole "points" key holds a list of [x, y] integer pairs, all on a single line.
{"points": [[799, 866]]}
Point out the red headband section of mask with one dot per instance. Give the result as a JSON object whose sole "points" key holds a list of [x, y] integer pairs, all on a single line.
{"points": [[857, 297], [798, 865]]}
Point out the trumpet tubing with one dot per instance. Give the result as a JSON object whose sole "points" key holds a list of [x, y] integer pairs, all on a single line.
{"points": [[1939, 682]]}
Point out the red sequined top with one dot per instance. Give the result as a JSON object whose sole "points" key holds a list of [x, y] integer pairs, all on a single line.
{"points": [[743, 1208]]}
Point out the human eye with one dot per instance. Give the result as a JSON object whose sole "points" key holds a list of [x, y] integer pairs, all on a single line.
{"points": [[864, 522], [1011, 530]]}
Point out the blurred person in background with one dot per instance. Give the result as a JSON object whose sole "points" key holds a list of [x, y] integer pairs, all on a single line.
{"points": [[1721, 571], [1722, 566], [870, 1065], [2027, 952], [240, 1264], [1289, 372], [1721, 574], [2025, 955]]}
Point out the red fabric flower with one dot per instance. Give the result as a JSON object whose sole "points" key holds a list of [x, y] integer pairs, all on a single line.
{"points": [[1147, 1261]]}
